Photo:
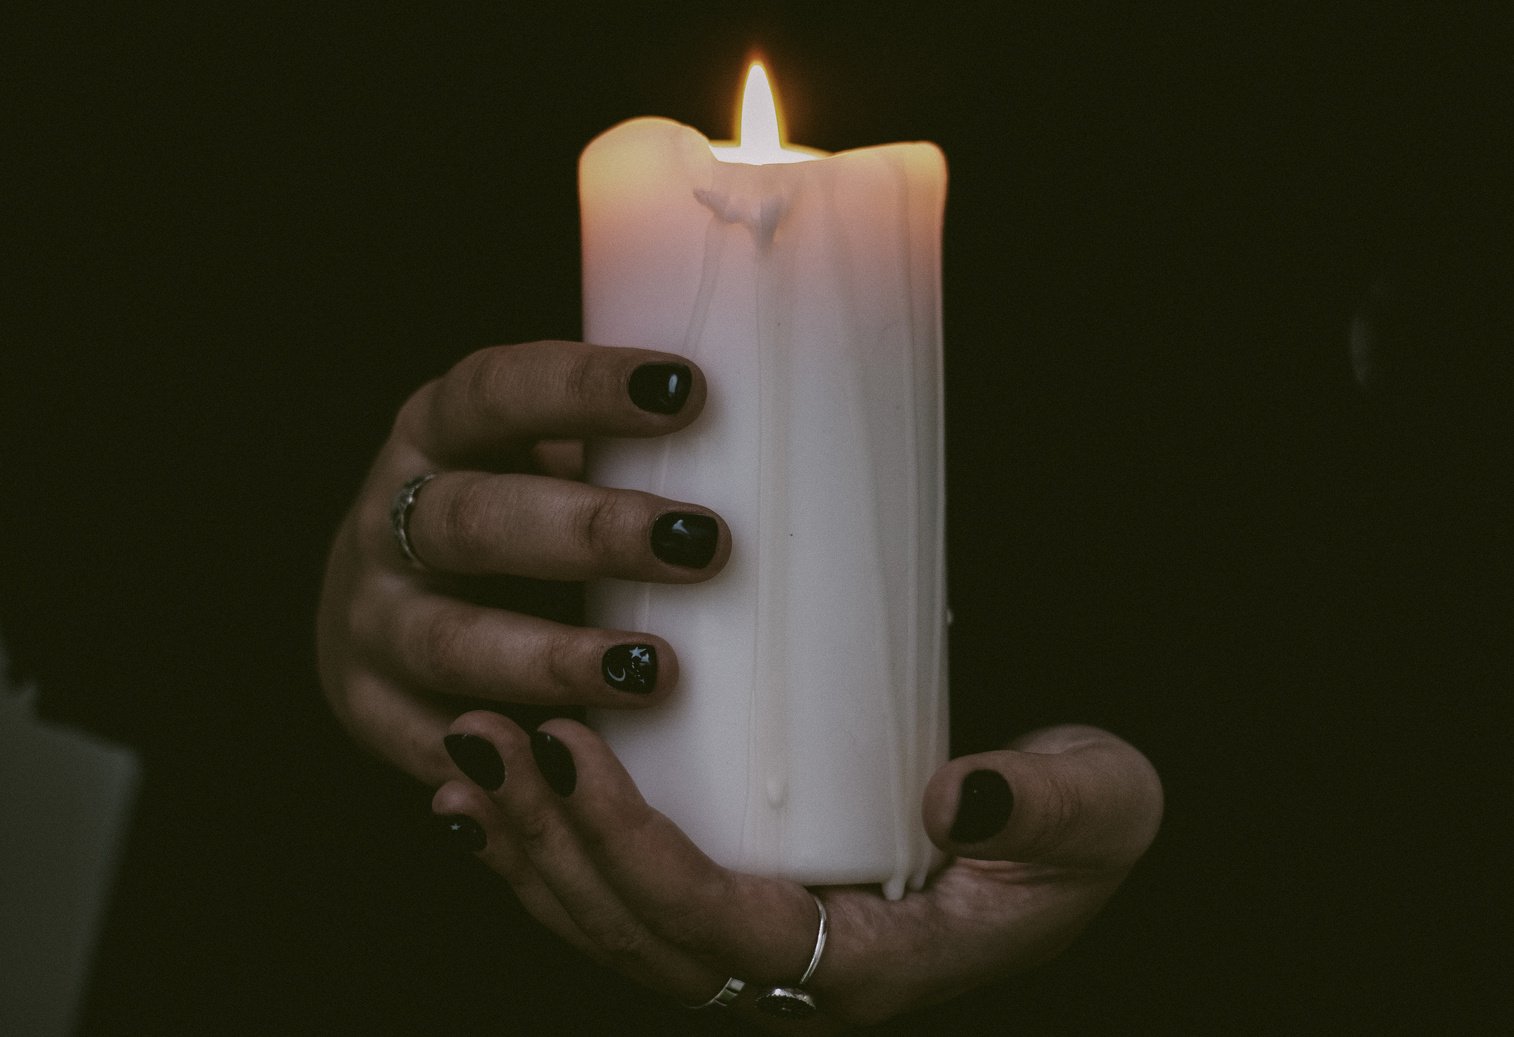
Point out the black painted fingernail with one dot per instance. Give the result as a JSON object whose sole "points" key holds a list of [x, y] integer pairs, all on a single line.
{"points": [[661, 388], [680, 538], [464, 832], [555, 763], [630, 668], [984, 807], [476, 758]]}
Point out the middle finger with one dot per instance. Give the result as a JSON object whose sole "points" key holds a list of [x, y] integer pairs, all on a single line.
{"points": [[453, 647]]}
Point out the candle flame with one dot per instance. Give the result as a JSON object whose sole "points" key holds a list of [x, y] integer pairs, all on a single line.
{"points": [[759, 137]]}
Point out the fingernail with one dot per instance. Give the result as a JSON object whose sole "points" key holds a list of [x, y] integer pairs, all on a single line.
{"points": [[555, 763], [630, 668], [661, 388], [476, 758], [983, 808], [464, 832], [680, 538]]}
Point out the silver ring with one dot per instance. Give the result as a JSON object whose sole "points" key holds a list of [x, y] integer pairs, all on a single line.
{"points": [[399, 516], [726, 995], [795, 1001]]}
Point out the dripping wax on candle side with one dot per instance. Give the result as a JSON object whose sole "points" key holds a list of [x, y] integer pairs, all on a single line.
{"points": [[811, 706]]}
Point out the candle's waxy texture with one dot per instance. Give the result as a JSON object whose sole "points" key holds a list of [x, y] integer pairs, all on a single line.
{"points": [[811, 704]]}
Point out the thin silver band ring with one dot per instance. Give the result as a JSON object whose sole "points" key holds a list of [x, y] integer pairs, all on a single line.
{"points": [[795, 1002], [723, 997], [819, 942], [399, 516]]}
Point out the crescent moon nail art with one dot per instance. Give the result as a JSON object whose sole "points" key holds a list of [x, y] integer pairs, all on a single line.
{"points": [[630, 668]]}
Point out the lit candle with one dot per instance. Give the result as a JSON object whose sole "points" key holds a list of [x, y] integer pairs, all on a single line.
{"points": [[811, 704]]}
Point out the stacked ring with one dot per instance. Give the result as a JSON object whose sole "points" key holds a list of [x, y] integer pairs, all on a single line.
{"points": [[795, 1001], [726, 995]]}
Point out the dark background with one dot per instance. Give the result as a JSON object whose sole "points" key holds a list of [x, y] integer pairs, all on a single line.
{"points": [[243, 235]]}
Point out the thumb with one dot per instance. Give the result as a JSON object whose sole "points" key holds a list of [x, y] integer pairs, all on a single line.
{"points": [[1068, 795]]}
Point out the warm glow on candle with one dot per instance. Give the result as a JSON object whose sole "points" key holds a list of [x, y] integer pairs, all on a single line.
{"points": [[759, 141], [809, 294]]}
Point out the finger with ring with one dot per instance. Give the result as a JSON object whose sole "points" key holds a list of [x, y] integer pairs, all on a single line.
{"points": [[399, 516], [723, 997], [795, 1001]]}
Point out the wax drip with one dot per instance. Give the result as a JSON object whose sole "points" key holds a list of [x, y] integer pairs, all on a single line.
{"points": [[754, 196], [761, 215], [902, 695], [770, 755]]}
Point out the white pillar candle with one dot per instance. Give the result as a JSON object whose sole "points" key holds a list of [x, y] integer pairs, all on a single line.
{"points": [[811, 703]]}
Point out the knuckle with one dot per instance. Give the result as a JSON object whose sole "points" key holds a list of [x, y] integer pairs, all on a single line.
{"points": [[622, 940], [595, 521], [579, 376], [559, 669], [438, 646], [479, 379], [463, 520], [532, 831]]}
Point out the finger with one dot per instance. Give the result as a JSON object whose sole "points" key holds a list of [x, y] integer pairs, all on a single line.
{"points": [[534, 814], [761, 929], [1071, 796], [452, 647], [472, 523], [476, 826], [505, 398]]}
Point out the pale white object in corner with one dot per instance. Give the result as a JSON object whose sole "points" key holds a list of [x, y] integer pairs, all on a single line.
{"points": [[65, 800]]}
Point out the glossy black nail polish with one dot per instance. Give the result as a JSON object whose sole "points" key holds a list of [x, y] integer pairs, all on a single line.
{"points": [[630, 668], [555, 763], [476, 758], [661, 388], [684, 539], [984, 807], [464, 832]]}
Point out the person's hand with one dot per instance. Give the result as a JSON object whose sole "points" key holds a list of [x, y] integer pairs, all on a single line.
{"points": [[1042, 833], [405, 647]]}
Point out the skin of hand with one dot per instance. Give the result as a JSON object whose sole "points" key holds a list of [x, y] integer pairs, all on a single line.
{"points": [[407, 653], [404, 648], [563, 823]]}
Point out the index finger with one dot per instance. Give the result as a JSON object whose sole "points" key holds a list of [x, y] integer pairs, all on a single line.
{"points": [[505, 398]]}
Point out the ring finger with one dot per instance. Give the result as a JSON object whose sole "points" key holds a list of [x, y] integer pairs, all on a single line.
{"points": [[473, 523]]}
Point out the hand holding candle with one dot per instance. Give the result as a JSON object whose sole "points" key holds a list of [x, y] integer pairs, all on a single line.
{"points": [[406, 646], [1075, 808]]}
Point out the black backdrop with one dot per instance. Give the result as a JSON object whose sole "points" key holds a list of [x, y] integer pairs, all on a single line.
{"points": [[242, 236]]}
